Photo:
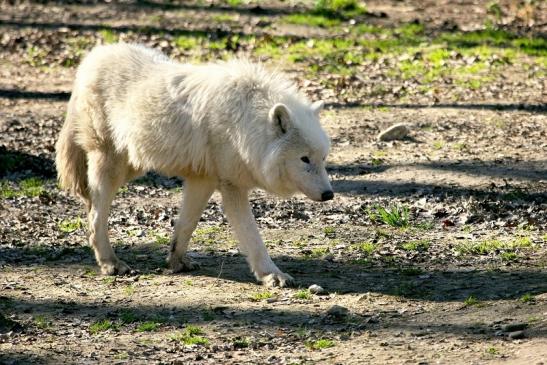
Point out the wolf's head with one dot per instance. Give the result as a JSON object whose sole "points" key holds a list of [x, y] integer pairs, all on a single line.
{"points": [[295, 161]]}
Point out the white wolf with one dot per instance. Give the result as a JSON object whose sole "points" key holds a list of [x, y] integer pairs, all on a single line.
{"points": [[229, 126]]}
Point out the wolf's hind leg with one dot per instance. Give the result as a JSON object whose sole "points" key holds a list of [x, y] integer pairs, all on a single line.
{"points": [[105, 175], [240, 216], [195, 197]]}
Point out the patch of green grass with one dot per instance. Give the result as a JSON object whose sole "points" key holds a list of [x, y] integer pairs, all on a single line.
{"points": [[269, 49], [492, 351], [77, 48], [102, 326], [480, 248], [527, 298], [419, 245], [320, 344], [314, 20], [303, 294], [509, 256], [339, 8], [395, 215], [209, 236], [438, 144], [36, 56], [224, 18], [235, 3], [71, 225], [148, 326], [411, 69], [471, 301], [108, 36], [318, 252], [41, 322], [494, 245], [192, 335], [162, 240], [521, 242], [376, 161], [122, 356], [496, 38], [90, 273], [257, 297], [367, 29], [471, 84], [332, 53], [379, 154], [329, 231], [187, 43], [241, 343], [365, 247], [410, 30], [194, 330], [30, 187], [129, 290]]}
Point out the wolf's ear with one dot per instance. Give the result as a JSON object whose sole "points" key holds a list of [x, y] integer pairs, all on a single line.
{"points": [[280, 118], [317, 106]]}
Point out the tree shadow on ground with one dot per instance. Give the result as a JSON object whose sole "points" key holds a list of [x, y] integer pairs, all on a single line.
{"points": [[17, 164], [9, 357], [534, 170], [404, 189], [31, 95], [262, 9], [411, 282], [538, 108], [210, 32]]}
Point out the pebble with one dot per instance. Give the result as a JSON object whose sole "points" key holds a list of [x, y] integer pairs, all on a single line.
{"points": [[395, 132], [316, 289], [512, 327], [337, 311], [516, 335]]}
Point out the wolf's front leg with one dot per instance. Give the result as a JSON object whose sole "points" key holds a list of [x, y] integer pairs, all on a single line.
{"points": [[240, 216], [196, 195]]}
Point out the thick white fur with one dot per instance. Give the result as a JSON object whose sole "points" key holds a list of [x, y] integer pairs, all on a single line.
{"points": [[229, 126]]}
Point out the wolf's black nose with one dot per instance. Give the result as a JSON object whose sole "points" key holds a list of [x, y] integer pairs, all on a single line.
{"points": [[327, 195]]}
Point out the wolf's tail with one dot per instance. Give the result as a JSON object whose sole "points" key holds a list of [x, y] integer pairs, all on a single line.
{"points": [[71, 158]]}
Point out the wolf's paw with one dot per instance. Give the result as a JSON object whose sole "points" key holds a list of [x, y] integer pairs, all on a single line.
{"points": [[182, 264], [117, 267], [278, 279]]}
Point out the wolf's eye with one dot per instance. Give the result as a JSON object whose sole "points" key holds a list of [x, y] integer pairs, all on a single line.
{"points": [[305, 159]]}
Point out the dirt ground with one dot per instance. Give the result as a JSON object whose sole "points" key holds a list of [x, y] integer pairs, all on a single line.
{"points": [[457, 283]]}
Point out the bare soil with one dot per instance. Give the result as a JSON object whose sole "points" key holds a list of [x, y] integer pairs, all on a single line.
{"points": [[470, 171]]}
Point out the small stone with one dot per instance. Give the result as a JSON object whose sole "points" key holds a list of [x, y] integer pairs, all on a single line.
{"points": [[512, 327], [316, 289], [516, 335], [395, 132], [337, 311]]}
